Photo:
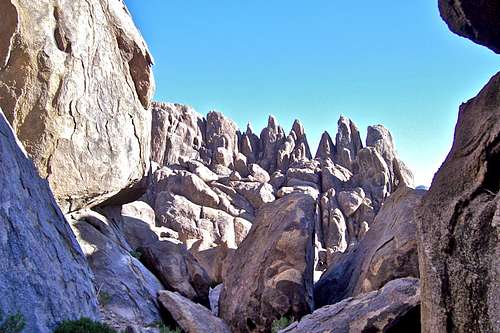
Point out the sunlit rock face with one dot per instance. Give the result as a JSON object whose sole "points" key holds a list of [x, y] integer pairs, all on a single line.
{"points": [[75, 84]]}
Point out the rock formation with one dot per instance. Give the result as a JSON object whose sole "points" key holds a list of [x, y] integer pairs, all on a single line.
{"points": [[393, 308], [460, 225], [271, 272], [473, 19], [459, 219], [75, 83], [388, 251], [191, 317], [41, 266]]}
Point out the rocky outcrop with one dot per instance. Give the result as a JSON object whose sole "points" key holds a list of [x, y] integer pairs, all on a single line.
{"points": [[393, 308], [126, 289], [459, 225], [271, 272], [388, 251], [41, 266], [75, 83], [177, 269], [189, 316], [177, 133], [474, 19], [348, 143]]}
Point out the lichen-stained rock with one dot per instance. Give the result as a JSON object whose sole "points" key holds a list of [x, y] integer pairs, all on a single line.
{"points": [[177, 269], [474, 19], [393, 308], [387, 251], [126, 289], [459, 225], [191, 317], [75, 83], [41, 264], [271, 273], [177, 132]]}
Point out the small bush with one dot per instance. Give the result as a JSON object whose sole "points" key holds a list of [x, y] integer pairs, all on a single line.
{"points": [[166, 329], [280, 324], [136, 254], [104, 298], [84, 325], [12, 324]]}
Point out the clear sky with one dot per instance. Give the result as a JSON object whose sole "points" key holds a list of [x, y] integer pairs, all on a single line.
{"points": [[388, 62]]}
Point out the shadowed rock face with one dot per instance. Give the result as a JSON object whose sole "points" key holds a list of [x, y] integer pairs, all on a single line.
{"points": [[75, 83], [459, 225], [393, 308], [474, 19], [41, 264], [388, 251], [271, 272]]}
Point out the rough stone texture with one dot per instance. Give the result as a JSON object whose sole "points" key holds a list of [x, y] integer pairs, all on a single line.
{"points": [[222, 133], [326, 148], [348, 143], [387, 251], [41, 266], [214, 296], [333, 230], [271, 139], [177, 133], [459, 225], [271, 272], [126, 289], [474, 19], [76, 82], [191, 317], [394, 308], [177, 269]]}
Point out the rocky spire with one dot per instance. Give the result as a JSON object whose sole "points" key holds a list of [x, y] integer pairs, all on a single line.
{"points": [[271, 139], [348, 142], [326, 148], [250, 145]]}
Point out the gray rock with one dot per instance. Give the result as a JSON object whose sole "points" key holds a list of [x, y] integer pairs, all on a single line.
{"points": [[333, 231], [126, 289], [350, 201], [386, 252], [459, 225], [271, 139], [214, 296], [256, 193], [90, 139], [272, 270], [177, 133], [258, 173], [348, 143], [191, 317], [42, 265], [222, 133], [177, 269], [326, 148], [394, 308]]}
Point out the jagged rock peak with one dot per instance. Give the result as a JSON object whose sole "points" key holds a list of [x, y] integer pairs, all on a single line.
{"points": [[348, 142], [298, 128], [272, 122], [326, 148]]}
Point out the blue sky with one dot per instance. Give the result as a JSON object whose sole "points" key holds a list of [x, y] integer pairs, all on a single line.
{"points": [[388, 62]]}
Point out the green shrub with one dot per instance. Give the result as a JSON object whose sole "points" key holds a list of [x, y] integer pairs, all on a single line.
{"points": [[104, 298], [84, 325], [136, 254], [12, 324], [166, 329], [280, 324]]}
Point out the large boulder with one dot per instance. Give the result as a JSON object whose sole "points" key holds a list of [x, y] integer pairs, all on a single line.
{"points": [[177, 132], [177, 269], [75, 83], [474, 19], [271, 273], [191, 317], [392, 309], [387, 251], [126, 289], [459, 225], [41, 266]]}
